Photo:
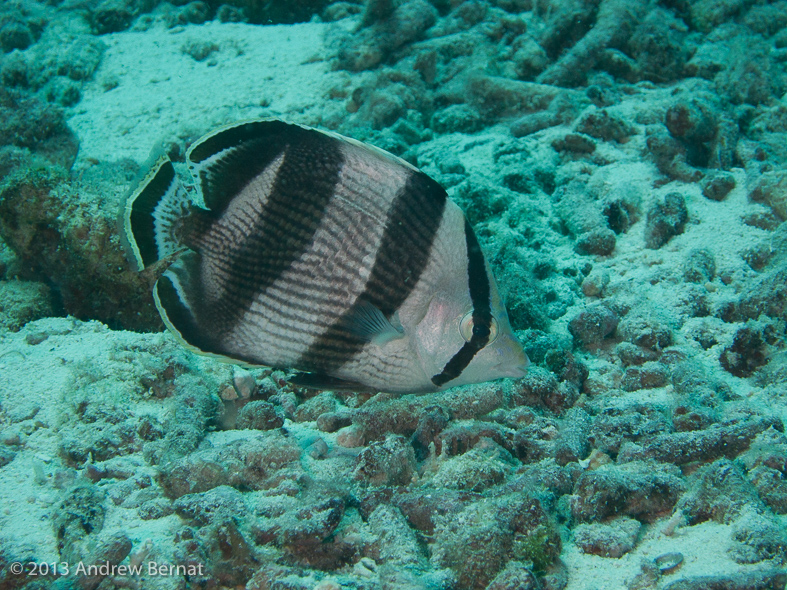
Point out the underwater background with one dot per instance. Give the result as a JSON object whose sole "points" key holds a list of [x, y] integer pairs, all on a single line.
{"points": [[624, 164]]}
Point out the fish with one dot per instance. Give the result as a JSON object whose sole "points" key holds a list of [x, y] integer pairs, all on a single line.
{"points": [[290, 247]]}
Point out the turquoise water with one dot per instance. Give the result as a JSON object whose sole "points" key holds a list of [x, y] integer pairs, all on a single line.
{"points": [[624, 166]]}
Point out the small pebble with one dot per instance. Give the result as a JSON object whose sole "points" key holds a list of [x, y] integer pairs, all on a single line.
{"points": [[36, 338], [318, 449], [669, 562], [244, 382], [229, 394], [595, 283], [349, 437]]}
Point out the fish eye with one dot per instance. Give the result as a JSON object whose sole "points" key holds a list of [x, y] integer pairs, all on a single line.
{"points": [[467, 328]]}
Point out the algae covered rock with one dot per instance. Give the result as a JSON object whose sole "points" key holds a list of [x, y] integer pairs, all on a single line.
{"points": [[478, 543], [33, 132], [66, 234], [22, 302], [385, 28], [613, 539], [266, 461]]}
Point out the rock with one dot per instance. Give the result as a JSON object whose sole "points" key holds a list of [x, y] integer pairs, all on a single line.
{"points": [[485, 465], [258, 415], [270, 460], [765, 579], [717, 186], [699, 266], [478, 543], [748, 350], [641, 490], [391, 462], [22, 302], [515, 576], [366, 48], [217, 504], [395, 541], [719, 492], [612, 539], [645, 327], [665, 220], [726, 439], [591, 326]]}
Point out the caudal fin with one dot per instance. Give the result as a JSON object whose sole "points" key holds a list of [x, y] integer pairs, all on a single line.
{"points": [[153, 212]]}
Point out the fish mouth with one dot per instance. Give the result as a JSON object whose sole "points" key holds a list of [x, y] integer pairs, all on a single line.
{"points": [[515, 371]]}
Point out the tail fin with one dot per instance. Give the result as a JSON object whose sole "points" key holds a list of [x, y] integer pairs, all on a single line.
{"points": [[153, 212]]}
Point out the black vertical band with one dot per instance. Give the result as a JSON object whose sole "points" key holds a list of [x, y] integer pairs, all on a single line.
{"points": [[410, 231], [282, 230], [478, 283]]}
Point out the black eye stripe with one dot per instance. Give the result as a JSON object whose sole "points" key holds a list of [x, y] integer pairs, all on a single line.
{"points": [[478, 282], [481, 330]]}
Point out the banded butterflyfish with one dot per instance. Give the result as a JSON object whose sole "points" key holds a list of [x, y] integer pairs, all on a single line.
{"points": [[301, 249]]}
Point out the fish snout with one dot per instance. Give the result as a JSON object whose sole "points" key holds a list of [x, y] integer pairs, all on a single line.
{"points": [[514, 363]]}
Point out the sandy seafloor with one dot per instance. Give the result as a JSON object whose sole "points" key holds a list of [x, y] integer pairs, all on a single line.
{"points": [[147, 91]]}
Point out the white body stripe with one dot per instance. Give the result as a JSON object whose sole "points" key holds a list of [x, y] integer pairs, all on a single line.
{"points": [[364, 195]]}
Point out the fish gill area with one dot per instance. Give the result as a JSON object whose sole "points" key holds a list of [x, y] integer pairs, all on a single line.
{"points": [[624, 164]]}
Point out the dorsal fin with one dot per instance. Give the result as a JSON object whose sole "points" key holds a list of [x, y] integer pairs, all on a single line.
{"points": [[226, 160], [153, 210]]}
